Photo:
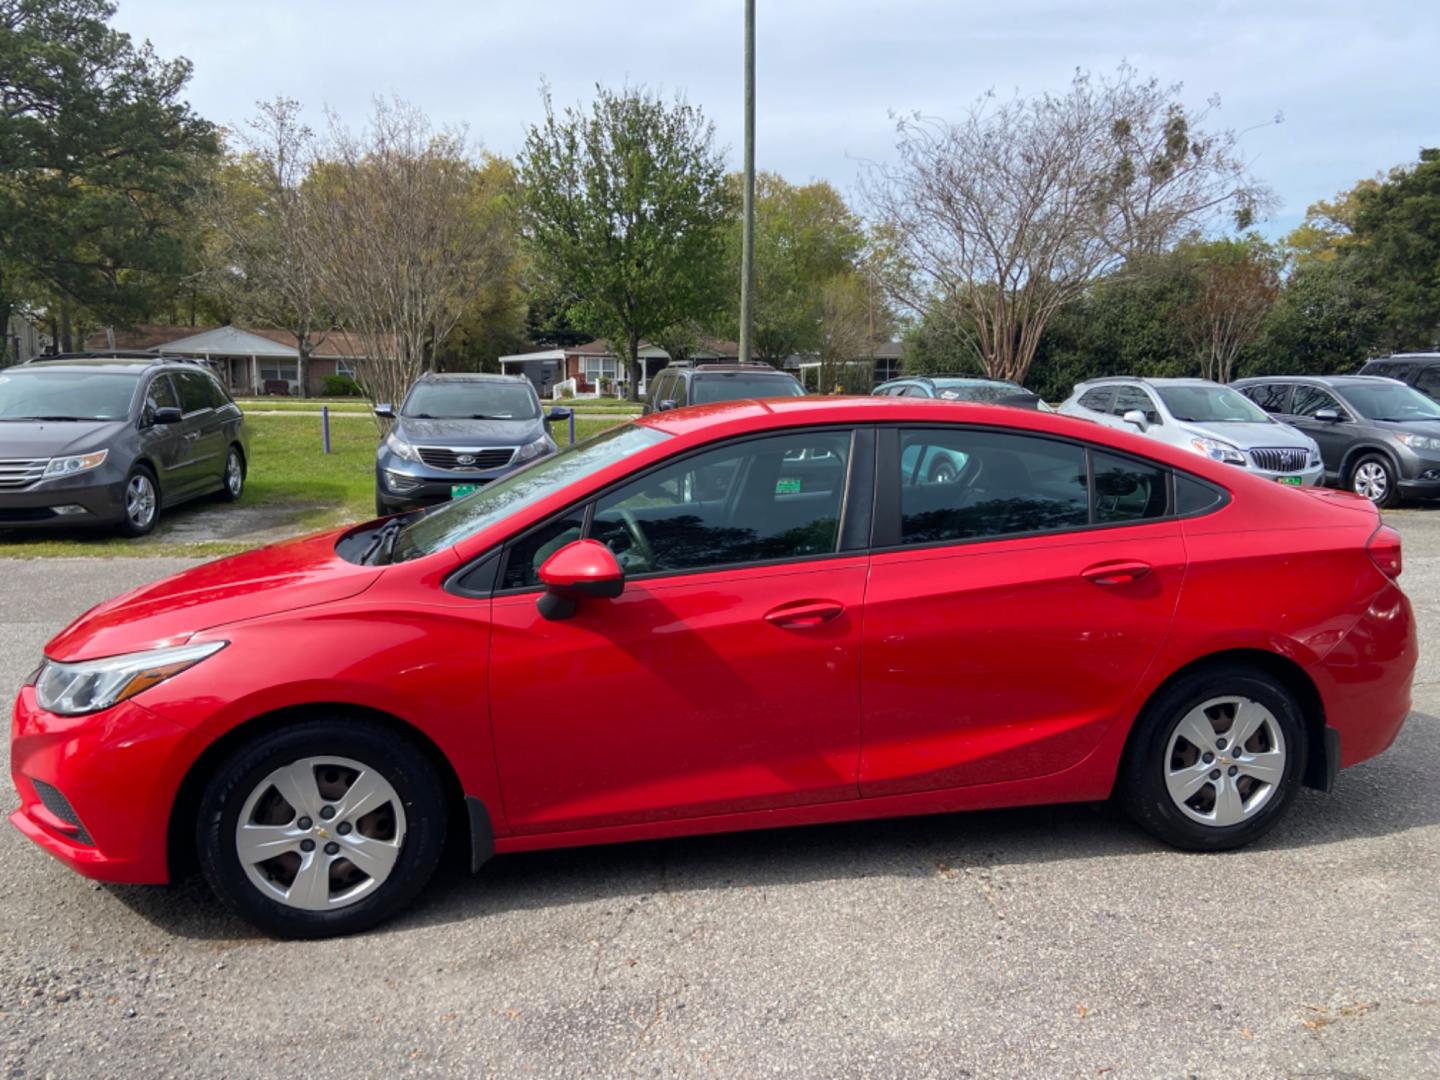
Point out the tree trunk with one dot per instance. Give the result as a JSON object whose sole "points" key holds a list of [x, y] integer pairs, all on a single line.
{"points": [[67, 343], [633, 364], [302, 363]]}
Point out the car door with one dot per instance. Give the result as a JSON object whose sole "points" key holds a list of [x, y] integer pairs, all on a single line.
{"points": [[724, 678], [202, 429], [1011, 613], [163, 444], [1333, 437]]}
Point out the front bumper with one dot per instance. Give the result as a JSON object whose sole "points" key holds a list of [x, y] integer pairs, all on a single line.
{"points": [[407, 485], [117, 773], [1309, 477], [99, 495]]}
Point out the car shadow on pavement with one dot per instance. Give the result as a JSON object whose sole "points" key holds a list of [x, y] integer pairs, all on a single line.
{"points": [[1389, 795]]}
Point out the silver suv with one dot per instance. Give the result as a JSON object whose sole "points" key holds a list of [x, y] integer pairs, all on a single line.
{"points": [[1204, 417]]}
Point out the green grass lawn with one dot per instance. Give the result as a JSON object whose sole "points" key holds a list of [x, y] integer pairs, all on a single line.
{"points": [[296, 487], [354, 405]]}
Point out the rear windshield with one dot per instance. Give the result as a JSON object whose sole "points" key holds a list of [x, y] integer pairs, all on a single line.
{"points": [[735, 385], [1211, 405], [1390, 403], [66, 395], [472, 401], [958, 390]]}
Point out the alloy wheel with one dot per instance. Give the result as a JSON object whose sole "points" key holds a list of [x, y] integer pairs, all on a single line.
{"points": [[1224, 761], [320, 833], [1371, 481], [234, 474], [140, 501]]}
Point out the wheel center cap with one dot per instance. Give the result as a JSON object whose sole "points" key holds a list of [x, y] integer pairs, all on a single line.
{"points": [[320, 832]]}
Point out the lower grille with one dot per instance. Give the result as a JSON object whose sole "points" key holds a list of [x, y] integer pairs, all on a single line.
{"points": [[1280, 459], [440, 457], [54, 800], [17, 473], [17, 515]]}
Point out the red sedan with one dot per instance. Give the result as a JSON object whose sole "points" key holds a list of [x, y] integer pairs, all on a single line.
{"points": [[738, 616]]}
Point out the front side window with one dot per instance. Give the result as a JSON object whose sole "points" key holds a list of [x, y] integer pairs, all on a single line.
{"points": [[160, 395], [1133, 399], [972, 484], [1274, 398], [1310, 400], [775, 497]]}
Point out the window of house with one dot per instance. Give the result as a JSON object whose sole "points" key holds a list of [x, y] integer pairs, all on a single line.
{"points": [[775, 497], [594, 368], [346, 368], [1272, 397], [279, 371]]}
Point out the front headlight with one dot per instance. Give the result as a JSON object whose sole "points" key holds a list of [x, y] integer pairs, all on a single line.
{"points": [[400, 448], [1418, 442], [78, 463], [92, 685], [533, 450], [1217, 450]]}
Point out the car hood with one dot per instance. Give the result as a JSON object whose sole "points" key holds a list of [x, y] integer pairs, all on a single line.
{"points": [[284, 577], [52, 438], [470, 433], [1247, 436]]}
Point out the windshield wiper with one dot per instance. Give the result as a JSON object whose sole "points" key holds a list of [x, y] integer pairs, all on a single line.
{"points": [[382, 543], [50, 419]]}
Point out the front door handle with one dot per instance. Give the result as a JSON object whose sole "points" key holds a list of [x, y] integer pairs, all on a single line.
{"points": [[191, 436], [802, 614], [1115, 573]]}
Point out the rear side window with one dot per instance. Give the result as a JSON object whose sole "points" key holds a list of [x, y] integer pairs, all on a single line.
{"points": [[196, 392], [1272, 397], [1098, 399], [1127, 489], [971, 484]]}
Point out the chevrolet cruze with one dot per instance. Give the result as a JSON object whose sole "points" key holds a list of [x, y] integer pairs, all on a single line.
{"points": [[736, 616]]}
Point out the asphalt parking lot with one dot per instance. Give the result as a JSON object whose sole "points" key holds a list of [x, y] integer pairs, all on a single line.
{"points": [[1050, 942]]}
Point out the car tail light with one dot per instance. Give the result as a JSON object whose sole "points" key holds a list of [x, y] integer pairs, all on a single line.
{"points": [[1384, 548]]}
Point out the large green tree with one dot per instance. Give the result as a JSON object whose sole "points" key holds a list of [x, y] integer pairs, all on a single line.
{"points": [[624, 210], [100, 160]]}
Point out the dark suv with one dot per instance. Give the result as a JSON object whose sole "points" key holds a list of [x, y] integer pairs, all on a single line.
{"points": [[106, 439], [680, 384], [453, 434], [1377, 437], [1420, 370]]}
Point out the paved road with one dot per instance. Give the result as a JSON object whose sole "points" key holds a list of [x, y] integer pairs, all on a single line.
{"points": [[1046, 943]]}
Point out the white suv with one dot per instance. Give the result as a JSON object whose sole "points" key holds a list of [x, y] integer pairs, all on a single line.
{"points": [[1202, 416]]}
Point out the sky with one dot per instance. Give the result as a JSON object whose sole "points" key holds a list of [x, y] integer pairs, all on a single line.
{"points": [[1357, 84]]}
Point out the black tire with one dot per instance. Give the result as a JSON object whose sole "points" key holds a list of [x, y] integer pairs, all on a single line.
{"points": [[943, 472], [232, 480], [131, 525], [1374, 468], [1142, 782], [381, 510], [394, 758]]}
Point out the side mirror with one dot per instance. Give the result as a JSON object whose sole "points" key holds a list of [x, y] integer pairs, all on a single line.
{"points": [[1137, 418], [558, 414], [167, 415], [385, 412], [584, 569], [666, 405], [1329, 416]]}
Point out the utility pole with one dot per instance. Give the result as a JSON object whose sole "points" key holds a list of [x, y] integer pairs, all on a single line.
{"points": [[747, 235]]}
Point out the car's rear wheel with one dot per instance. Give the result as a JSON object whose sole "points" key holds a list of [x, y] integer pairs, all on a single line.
{"points": [[234, 477], [322, 828], [142, 502], [1373, 477], [1215, 759]]}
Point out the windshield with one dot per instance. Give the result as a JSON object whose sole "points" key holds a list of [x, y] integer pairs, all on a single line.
{"points": [[66, 395], [735, 385], [959, 390], [471, 401], [1382, 402], [454, 521], [1210, 405]]}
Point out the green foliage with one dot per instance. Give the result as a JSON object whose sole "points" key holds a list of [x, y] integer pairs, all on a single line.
{"points": [[1325, 321], [342, 386], [102, 157], [623, 211]]}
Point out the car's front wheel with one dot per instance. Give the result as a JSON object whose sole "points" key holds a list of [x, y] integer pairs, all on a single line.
{"points": [[321, 828], [142, 503], [234, 477], [1215, 759], [1374, 478]]}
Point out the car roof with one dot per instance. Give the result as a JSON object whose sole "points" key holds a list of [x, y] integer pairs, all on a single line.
{"points": [[1322, 380], [135, 362], [470, 376], [730, 369], [1432, 357], [1113, 380]]}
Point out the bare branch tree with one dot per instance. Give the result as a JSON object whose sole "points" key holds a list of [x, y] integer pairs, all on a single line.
{"points": [[1003, 217], [396, 239], [1234, 285]]}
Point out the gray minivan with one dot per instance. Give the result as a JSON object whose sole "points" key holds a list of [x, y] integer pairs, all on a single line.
{"points": [[107, 439], [1377, 437]]}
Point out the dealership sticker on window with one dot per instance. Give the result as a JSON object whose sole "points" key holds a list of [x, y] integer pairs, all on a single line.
{"points": [[787, 485]]}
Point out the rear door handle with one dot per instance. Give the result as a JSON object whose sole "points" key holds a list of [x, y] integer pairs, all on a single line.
{"points": [[1115, 573], [803, 614]]}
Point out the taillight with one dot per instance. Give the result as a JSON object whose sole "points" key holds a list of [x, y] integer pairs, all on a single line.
{"points": [[1384, 548]]}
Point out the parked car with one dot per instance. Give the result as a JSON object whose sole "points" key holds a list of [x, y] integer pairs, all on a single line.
{"points": [[99, 439], [1203, 417], [680, 384], [740, 618], [455, 433], [1420, 370], [963, 388], [1377, 437]]}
